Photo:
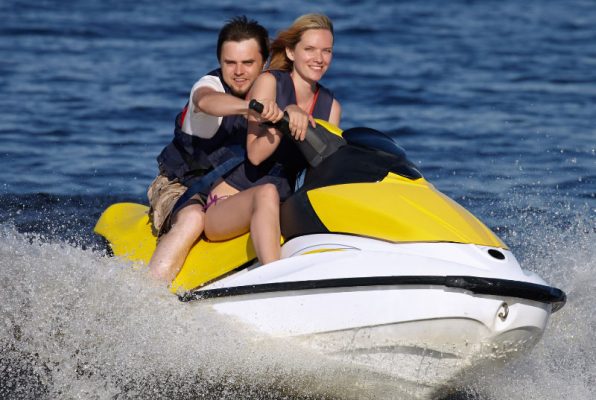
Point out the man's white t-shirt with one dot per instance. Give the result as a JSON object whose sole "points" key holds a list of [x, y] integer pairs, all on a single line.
{"points": [[197, 123]]}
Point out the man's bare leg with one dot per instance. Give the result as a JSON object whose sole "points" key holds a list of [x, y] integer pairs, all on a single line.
{"points": [[173, 247]]}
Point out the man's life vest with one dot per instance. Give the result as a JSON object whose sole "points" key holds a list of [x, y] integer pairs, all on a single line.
{"points": [[187, 158]]}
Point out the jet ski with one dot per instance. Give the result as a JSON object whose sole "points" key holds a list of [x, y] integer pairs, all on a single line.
{"points": [[379, 270]]}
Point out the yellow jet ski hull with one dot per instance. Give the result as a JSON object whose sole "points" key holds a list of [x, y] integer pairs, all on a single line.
{"points": [[127, 228], [396, 210]]}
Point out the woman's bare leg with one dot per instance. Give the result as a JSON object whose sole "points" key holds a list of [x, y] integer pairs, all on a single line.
{"points": [[173, 247], [255, 209]]}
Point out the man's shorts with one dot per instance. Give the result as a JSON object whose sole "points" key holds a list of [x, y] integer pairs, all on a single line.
{"points": [[163, 195]]}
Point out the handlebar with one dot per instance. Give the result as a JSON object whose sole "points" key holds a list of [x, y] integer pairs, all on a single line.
{"points": [[318, 143]]}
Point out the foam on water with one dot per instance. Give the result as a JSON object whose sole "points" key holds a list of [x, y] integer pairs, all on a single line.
{"points": [[74, 324], [563, 364]]}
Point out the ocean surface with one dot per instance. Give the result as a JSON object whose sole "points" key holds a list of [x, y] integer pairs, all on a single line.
{"points": [[495, 101]]}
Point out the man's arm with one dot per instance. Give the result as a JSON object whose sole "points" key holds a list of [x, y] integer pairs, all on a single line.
{"points": [[209, 101], [208, 104]]}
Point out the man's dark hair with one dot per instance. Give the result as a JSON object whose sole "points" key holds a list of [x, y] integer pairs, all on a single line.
{"points": [[241, 28]]}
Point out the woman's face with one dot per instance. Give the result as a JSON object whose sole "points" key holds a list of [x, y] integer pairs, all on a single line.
{"points": [[312, 55]]}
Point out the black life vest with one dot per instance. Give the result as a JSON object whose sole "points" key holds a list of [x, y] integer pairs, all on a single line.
{"points": [[187, 158], [282, 167], [286, 95]]}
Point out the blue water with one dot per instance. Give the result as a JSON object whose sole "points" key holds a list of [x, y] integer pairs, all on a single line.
{"points": [[495, 101]]}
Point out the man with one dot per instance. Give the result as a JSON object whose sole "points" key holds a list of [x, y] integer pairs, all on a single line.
{"points": [[210, 134]]}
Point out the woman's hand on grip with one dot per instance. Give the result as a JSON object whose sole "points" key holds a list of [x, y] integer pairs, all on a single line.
{"points": [[298, 121]]}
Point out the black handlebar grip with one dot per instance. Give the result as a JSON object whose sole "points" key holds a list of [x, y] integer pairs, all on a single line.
{"points": [[316, 146], [255, 106]]}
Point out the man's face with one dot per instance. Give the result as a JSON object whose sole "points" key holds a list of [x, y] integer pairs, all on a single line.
{"points": [[241, 63]]}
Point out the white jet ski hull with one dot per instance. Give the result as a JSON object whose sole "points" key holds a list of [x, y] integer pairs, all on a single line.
{"points": [[369, 304]]}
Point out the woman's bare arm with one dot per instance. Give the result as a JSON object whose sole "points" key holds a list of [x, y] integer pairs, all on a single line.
{"points": [[261, 142], [335, 114]]}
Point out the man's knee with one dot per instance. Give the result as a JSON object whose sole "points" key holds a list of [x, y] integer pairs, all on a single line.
{"points": [[191, 218]]}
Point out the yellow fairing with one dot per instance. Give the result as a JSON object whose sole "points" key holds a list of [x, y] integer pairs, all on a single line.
{"points": [[329, 126], [126, 226], [395, 209], [399, 210]]}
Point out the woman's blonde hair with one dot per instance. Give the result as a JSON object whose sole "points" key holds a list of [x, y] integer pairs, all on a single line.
{"points": [[291, 36]]}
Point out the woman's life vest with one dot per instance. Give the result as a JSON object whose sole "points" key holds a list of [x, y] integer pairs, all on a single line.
{"points": [[282, 167]]}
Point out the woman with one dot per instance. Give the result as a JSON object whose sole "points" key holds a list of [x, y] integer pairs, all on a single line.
{"points": [[300, 56]]}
